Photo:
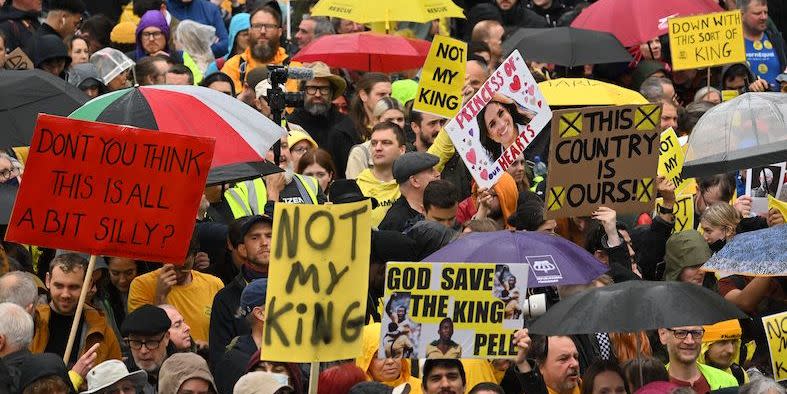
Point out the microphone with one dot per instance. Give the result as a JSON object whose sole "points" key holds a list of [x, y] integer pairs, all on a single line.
{"points": [[300, 73]]}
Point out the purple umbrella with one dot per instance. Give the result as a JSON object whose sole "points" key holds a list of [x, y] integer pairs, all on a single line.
{"points": [[552, 260]]}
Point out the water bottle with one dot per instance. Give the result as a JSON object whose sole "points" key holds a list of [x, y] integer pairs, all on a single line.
{"points": [[540, 169]]}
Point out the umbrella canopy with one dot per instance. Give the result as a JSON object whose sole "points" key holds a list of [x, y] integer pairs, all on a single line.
{"points": [[552, 260], [635, 305], [366, 11], [567, 46], [753, 253], [635, 22], [25, 94], [242, 134], [366, 52], [746, 132], [7, 197], [582, 92]]}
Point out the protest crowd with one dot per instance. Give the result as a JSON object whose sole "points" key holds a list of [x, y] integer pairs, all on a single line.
{"points": [[524, 224]]}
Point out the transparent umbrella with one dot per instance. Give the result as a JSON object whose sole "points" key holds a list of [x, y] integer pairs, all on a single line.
{"points": [[745, 132]]}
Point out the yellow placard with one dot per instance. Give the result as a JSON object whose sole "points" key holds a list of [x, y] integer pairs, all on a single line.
{"points": [[727, 95], [671, 159], [442, 78], [776, 330], [454, 310], [317, 282], [683, 210], [707, 40], [773, 203]]}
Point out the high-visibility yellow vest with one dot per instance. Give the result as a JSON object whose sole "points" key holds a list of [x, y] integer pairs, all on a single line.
{"points": [[249, 197], [536, 180]]}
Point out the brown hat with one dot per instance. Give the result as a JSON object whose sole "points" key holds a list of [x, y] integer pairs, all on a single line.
{"points": [[179, 368], [321, 70]]}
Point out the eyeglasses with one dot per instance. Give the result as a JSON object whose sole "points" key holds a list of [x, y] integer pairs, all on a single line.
{"points": [[264, 26], [682, 334], [9, 173], [151, 35], [152, 344], [324, 90]]}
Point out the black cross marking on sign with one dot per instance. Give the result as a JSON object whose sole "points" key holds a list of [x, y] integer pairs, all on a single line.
{"points": [[646, 183], [571, 124], [647, 116], [556, 199]]}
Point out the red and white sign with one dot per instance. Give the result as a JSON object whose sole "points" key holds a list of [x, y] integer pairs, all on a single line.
{"points": [[110, 190]]}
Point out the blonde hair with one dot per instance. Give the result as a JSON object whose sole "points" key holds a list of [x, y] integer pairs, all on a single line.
{"points": [[721, 215], [385, 104]]}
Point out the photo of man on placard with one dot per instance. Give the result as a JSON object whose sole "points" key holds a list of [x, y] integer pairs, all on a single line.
{"points": [[444, 346]]}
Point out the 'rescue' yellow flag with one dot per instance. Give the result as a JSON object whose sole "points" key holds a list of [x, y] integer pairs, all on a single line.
{"points": [[443, 76]]}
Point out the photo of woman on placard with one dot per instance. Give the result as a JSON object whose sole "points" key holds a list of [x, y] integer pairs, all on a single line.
{"points": [[500, 122]]}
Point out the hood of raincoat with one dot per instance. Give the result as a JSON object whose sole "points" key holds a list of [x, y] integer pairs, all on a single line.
{"points": [[156, 19], [371, 344], [684, 249]]}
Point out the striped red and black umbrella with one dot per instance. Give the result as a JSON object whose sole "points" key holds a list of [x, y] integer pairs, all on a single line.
{"points": [[243, 135]]}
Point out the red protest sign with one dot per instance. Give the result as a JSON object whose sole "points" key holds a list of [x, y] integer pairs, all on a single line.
{"points": [[110, 190]]}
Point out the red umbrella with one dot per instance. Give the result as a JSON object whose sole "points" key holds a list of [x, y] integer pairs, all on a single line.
{"points": [[636, 21], [366, 52]]}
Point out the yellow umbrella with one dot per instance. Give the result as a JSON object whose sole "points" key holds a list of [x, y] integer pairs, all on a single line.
{"points": [[581, 92], [368, 11]]}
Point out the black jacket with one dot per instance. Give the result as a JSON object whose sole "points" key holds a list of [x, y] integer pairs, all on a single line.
{"points": [[343, 136], [516, 382], [650, 243], [223, 324], [779, 45], [521, 16], [551, 14], [321, 128], [18, 26], [400, 216], [232, 364]]}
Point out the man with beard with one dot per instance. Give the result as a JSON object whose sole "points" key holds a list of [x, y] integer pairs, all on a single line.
{"points": [[319, 116], [683, 346], [264, 46], [425, 126], [250, 238], [53, 321]]}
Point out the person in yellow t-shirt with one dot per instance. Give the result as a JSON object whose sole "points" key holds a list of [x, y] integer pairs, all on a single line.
{"points": [[190, 291], [387, 144]]}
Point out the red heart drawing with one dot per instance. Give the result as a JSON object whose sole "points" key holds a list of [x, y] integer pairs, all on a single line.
{"points": [[484, 174], [509, 69], [539, 103], [516, 84], [531, 90], [470, 156]]}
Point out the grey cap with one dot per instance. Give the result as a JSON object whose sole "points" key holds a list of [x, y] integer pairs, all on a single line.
{"points": [[412, 163], [782, 77]]}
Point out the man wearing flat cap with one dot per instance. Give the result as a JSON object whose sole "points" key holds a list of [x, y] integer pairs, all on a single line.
{"points": [[319, 117], [146, 332], [412, 171]]}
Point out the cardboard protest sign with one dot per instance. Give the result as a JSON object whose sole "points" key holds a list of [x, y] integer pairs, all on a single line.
{"points": [[110, 190], [762, 182], [523, 113], [701, 41], [603, 156], [442, 78], [671, 159], [18, 60], [776, 330], [452, 310], [317, 282], [684, 212]]}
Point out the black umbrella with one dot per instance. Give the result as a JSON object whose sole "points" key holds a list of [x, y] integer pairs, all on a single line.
{"points": [[240, 172], [7, 197], [635, 306], [25, 94], [567, 46]]}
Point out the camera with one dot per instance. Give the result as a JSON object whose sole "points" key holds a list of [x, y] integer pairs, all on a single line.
{"points": [[277, 98]]}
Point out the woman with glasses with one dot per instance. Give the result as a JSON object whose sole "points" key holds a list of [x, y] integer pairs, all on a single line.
{"points": [[153, 37]]}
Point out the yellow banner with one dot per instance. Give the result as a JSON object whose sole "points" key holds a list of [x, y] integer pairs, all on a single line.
{"points": [[671, 159], [776, 330], [442, 78], [773, 203], [453, 310], [317, 282], [707, 40], [683, 210]]}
